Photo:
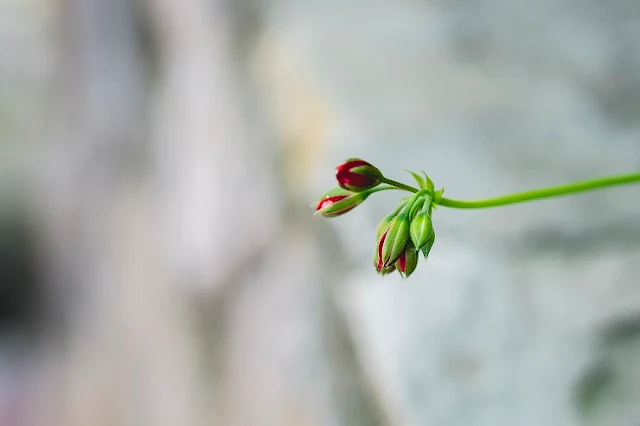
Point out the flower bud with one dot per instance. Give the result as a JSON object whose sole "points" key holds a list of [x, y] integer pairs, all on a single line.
{"points": [[383, 226], [429, 244], [386, 221], [338, 202], [392, 242], [378, 260], [378, 265], [408, 261], [388, 270], [357, 175], [421, 229]]}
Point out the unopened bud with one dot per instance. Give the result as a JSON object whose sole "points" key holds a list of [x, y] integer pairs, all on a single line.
{"points": [[357, 175], [420, 230], [426, 249], [408, 261], [338, 202], [393, 240]]}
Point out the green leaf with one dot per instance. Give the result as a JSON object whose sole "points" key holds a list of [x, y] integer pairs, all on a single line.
{"points": [[429, 186], [422, 184]]}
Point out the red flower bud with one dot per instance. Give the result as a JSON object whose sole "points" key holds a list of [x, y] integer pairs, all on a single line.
{"points": [[379, 259], [402, 261], [378, 265], [358, 175], [407, 261], [324, 205], [388, 270], [338, 202]]}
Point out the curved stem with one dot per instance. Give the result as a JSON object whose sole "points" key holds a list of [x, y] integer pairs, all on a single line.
{"points": [[536, 194], [381, 188], [399, 185]]}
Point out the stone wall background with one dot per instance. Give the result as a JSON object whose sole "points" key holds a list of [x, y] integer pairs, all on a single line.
{"points": [[160, 263]]}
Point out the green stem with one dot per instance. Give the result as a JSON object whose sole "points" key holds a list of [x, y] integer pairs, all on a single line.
{"points": [[380, 188], [399, 185], [536, 194]]}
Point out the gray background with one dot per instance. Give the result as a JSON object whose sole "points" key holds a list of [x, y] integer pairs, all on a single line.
{"points": [[160, 263]]}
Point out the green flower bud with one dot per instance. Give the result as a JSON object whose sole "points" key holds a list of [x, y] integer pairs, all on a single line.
{"points": [[388, 270], [427, 247], [421, 229], [377, 263], [386, 221], [393, 240], [384, 225], [408, 261]]}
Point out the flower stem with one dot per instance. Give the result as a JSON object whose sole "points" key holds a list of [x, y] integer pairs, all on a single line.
{"points": [[381, 188], [536, 194], [399, 185]]}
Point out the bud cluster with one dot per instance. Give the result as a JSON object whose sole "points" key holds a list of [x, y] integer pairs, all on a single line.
{"points": [[403, 234]]}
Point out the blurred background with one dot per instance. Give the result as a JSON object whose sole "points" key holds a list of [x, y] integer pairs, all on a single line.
{"points": [[160, 263]]}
